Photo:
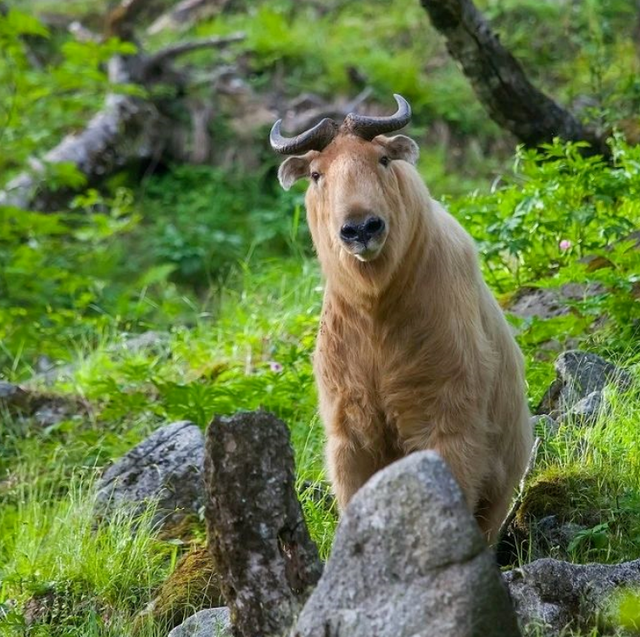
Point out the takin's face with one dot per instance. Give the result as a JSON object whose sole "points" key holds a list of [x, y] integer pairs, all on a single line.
{"points": [[353, 198]]}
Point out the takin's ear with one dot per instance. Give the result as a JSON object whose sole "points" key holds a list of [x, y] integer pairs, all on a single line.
{"points": [[294, 168], [400, 147]]}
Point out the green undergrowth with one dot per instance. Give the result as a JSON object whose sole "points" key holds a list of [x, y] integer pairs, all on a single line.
{"points": [[60, 572], [217, 261], [255, 352], [589, 475], [245, 342]]}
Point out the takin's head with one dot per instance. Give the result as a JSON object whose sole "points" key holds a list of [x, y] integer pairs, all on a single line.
{"points": [[362, 190]]}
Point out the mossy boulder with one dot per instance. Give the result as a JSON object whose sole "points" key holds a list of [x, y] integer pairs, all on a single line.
{"points": [[571, 496], [555, 509], [193, 586]]}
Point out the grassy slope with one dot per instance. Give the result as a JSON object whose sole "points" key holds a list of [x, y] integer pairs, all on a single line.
{"points": [[250, 346], [267, 321]]}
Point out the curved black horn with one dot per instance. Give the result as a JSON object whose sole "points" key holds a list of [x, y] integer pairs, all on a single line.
{"points": [[369, 127], [315, 138]]}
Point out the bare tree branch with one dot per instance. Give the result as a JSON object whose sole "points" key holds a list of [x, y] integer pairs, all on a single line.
{"points": [[309, 109], [499, 80], [123, 19], [186, 13], [181, 48]]}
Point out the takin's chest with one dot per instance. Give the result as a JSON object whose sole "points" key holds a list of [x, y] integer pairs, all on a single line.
{"points": [[375, 363]]}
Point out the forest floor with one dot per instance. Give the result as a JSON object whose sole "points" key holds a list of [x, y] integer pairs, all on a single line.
{"points": [[192, 290]]}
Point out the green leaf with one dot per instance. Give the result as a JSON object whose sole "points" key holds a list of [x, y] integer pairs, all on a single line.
{"points": [[24, 24]]}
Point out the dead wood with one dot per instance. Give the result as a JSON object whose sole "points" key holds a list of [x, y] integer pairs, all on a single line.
{"points": [[126, 128], [185, 13], [129, 128], [174, 51], [123, 20], [500, 82]]}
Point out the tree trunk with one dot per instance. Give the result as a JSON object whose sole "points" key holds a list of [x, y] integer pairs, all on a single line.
{"points": [[500, 82]]}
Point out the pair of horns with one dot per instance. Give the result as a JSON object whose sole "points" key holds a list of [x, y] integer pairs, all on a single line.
{"points": [[318, 137]]}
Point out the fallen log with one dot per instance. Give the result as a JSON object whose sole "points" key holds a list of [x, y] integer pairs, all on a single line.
{"points": [[120, 131], [129, 128]]}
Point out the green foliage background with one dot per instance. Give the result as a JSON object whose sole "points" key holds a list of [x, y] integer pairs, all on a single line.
{"points": [[219, 262]]}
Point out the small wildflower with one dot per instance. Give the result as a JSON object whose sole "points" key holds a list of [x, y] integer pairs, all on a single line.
{"points": [[565, 245], [275, 367]]}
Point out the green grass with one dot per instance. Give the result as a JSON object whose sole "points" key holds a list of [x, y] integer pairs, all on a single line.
{"points": [[218, 261], [254, 353], [76, 577], [252, 350], [590, 475]]}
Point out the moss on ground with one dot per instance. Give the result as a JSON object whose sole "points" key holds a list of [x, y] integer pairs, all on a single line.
{"points": [[193, 586], [569, 495]]}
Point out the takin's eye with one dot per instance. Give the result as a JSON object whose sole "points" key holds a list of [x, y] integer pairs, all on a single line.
{"points": [[315, 175], [384, 160]]}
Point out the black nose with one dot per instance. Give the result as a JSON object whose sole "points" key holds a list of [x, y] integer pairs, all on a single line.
{"points": [[363, 232]]}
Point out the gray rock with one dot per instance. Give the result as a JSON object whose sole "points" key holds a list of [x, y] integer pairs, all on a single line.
{"points": [[8, 390], [165, 468], [553, 595], [554, 535], [537, 302], [212, 622], [544, 426], [579, 374], [409, 561], [258, 538], [586, 411], [549, 303], [45, 409], [147, 340], [13, 397]]}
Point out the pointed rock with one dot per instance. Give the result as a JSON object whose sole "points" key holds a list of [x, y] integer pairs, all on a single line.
{"points": [[409, 561], [257, 534]]}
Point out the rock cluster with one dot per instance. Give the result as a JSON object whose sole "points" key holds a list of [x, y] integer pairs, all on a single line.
{"points": [[408, 558], [576, 393], [544, 519], [554, 595]]}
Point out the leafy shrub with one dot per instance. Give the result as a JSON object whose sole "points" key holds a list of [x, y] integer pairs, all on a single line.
{"points": [[204, 220], [39, 104], [59, 278], [557, 206]]}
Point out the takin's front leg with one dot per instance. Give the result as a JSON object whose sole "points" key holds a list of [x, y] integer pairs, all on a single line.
{"points": [[349, 467], [490, 514], [465, 453]]}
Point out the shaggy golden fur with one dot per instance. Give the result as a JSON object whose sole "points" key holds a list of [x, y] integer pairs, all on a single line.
{"points": [[413, 351]]}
